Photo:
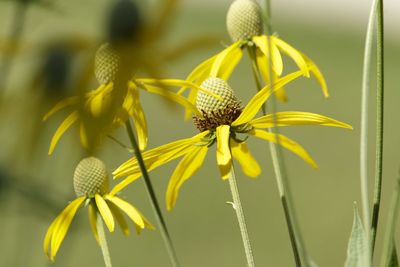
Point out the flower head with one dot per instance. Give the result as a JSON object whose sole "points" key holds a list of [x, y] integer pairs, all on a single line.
{"points": [[224, 123], [245, 26], [91, 188], [100, 111]]}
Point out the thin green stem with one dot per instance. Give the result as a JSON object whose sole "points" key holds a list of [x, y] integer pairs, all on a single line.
{"points": [[237, 206], [379, 123], [391, 225], [103, 242], [153, 199]]}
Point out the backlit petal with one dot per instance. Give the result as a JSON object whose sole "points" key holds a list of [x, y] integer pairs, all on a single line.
{"points": [[61, 105], [293, 53], [290, 118], [190, 163], [132, 213], [71, 119], [286, 143], [224, 158], [241, 153], [262, 96], [105, 212], [93, 219], [262, 43], [63, 224], [224, 57]]}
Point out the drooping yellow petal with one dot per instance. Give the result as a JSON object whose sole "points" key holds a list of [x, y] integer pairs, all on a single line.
{"points": [[290, 118], [241, 153], [262, 63], [262, 96], [132, 213], [70, 101], [192, 99], [201, 72], [119, 217], [224, 157], [190, 163], [105, 212], [71, 119], [63, 224], [49, 234], [139, 118], [230, 63], [277, 63], [96, 103], [92, 211], [318, 75], [292, 53], [223, 57], [286, 143], [173, 97], [83, 136]]}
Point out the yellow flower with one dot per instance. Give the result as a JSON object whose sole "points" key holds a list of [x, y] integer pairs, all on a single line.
{"points": [[224, 123], [91, 187], [98, 111], [245, 26]]}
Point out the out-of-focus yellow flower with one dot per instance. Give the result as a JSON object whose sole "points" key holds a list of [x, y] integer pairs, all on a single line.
{"points": [[91, 188], [245, 26], [224, 123], [92, 109]]}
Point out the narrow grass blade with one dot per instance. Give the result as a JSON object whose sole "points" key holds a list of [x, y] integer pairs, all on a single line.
{"points": [[358, 246]]}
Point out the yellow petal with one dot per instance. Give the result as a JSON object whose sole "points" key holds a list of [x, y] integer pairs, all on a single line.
{"points": [[62, 129], [105, 212], [83, 136], [241, 153], [132, 213], [61, 105], [119, 217], [224, 158], [48, 236], [318, 75], [63, 224], [96, 104], [293, 53], [139, 122], [230, 63], [185, 169], [262, 96], [290, 118], [286, 143], [262, 43], [93, 219], [172, 96], [192, 99], [223, 57]]}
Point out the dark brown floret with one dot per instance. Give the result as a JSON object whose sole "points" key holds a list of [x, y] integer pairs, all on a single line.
{"points": [[224, 116]]}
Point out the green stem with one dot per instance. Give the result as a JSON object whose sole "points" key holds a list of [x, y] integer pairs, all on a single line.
{"points": [[103, 242], [379, 123], [281, 175], [237, 206], [391, 224], [153, 199]]}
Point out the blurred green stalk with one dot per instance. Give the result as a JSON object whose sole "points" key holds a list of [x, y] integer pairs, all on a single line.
{"points": [[237, 206], [103, 242], [153, 199], [379, 121]]}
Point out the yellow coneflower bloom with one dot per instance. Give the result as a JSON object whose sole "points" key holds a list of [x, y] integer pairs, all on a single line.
{"points": [[93, 106], [91, 187], [223, 123], [245, 27]]}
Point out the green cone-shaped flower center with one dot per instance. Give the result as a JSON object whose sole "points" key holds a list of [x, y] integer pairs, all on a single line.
{"points": [[244, 20], [106, 64], [90, 177], [216, 111]]}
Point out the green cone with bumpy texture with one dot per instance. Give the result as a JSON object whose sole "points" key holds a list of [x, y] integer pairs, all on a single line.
{"points": [[90, 177], [216, 111], [106, 64], [244, 20]]}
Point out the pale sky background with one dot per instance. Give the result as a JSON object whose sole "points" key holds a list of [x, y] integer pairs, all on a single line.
{"points": [[346, 14]]}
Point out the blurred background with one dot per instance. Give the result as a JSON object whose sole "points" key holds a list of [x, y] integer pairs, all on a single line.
{"points": [[59, 37]]}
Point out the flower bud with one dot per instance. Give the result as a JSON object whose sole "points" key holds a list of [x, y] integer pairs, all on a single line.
{"points": [[106, 64], [244, 20], [90, 177]]}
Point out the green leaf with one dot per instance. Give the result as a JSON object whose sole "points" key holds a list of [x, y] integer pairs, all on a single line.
{"points": [[394, 262], [357, 249]]}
